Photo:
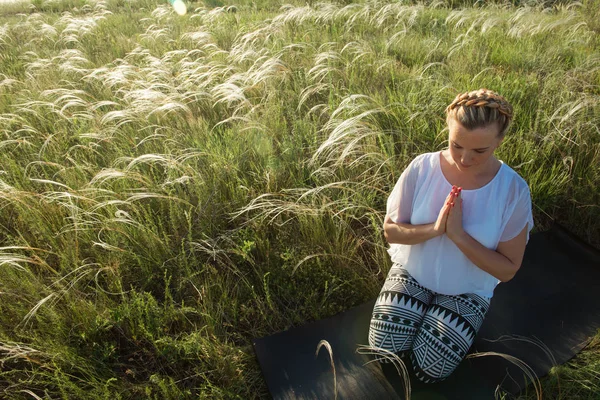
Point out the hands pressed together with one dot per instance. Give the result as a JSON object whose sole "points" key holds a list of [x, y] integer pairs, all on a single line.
{"points": [[450, 218]]}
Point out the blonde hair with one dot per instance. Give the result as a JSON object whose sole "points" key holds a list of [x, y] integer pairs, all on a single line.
{"points": [[481, 108]]}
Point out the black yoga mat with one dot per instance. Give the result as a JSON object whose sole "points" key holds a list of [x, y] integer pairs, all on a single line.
{"points": [[553, 299]]}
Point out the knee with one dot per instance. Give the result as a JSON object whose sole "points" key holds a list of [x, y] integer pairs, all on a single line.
{"points": [[376, 342], [431, 372], [382, 350]]}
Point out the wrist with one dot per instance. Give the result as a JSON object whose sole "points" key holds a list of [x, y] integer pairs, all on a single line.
{"points": [[437, 230], [458, 237]]}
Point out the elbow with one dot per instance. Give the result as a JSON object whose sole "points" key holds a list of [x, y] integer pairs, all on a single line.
{"points": [[510, 274], [390, 232], [386, 234], [393, 235]]}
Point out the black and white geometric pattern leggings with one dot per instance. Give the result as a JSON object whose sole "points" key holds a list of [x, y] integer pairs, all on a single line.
{"points": [[435, 330]]}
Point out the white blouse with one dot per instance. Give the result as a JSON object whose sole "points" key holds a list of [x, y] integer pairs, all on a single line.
{"points": [[496, 212]]}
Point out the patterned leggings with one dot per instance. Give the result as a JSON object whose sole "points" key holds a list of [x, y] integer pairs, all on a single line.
{"points": [[435, 330]]}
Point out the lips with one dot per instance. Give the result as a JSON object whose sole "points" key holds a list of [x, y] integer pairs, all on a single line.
{"points": [[464, 166]]}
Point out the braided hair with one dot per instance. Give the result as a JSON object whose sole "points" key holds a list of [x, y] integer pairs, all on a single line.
{"points": [[480, 108]]}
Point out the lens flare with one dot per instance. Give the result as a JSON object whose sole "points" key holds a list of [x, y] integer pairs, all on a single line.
{"points": [[179, 6]]}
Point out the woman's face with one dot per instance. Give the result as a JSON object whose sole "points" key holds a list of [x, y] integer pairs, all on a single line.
{"points": [[472, 149]]}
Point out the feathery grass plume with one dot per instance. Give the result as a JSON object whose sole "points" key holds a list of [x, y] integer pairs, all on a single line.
{"points": [[101, 104], [117, 119], [396, 14], [396, 39], [7, 83], [109, 174], [247, 123], [15, 259], [292, 15], [11, 351], [152, 100], [154, 34], [232, 94], [78, 272], [199, 38], [72, 61], [50, 182], [215, 249], [106, 246], [35, 309], [327, 65], [117, 76], [149, 195], [309, 257], [35, 65], [566, 111], [348, 125], [99, 287], [313, 90], [535, 341], [325, 343], [66, 99], [325, 13], [76, 28], [37, 109], [268, 206], [307, 202], [73, 204], [383, 354], [29, 392], [529, 372], [18, 142], [160, 159], [5, 37], [355, 17], [214, 15], [358, 50], [254, 43], [264, 70]]}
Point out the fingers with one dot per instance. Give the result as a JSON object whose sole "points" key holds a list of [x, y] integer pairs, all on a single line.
{"points": [[457, 196], [445, 218], [450, 197], [454, 194]]}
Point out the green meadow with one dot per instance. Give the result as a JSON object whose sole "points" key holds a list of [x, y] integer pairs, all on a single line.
{"points": [[172, 187]]}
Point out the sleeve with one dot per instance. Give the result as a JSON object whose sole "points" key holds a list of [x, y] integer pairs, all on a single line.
{"points": [[519, 216], [400, 201]]}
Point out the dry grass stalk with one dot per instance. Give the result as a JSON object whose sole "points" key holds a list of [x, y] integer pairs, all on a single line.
{"points": [[325, 343]]}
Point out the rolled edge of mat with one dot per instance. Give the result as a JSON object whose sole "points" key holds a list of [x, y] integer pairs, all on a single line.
{"points": [[585, 249]]}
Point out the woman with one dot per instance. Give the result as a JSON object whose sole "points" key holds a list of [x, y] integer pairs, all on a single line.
{"points": [[457, 222]]}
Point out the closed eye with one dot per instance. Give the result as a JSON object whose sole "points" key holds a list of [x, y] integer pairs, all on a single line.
{"points": [[478, 151]]}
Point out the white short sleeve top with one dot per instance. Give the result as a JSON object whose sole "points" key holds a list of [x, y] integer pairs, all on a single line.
{"points": [[494, 213]]}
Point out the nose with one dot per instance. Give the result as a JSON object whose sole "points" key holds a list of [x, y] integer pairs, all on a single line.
{"points": [[465, 161]]}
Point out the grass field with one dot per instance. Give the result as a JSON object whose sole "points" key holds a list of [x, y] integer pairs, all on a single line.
{"points": [[172, 187]]}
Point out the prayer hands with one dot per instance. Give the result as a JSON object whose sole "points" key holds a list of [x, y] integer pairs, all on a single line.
{"points": [[450, 217], [454, 226]]}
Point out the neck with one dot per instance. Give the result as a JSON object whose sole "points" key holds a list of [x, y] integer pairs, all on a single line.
{"points": [[484, 169]]}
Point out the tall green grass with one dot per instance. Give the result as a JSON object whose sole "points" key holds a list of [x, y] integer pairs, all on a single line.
{"points": [[172, 187]]}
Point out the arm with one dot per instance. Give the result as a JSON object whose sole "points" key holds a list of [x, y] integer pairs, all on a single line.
{"points": [[503, 263], [407, 233], [404, 233]]}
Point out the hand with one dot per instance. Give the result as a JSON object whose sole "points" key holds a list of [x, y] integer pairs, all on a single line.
{"points": [[440, 225], [454, 225]]}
